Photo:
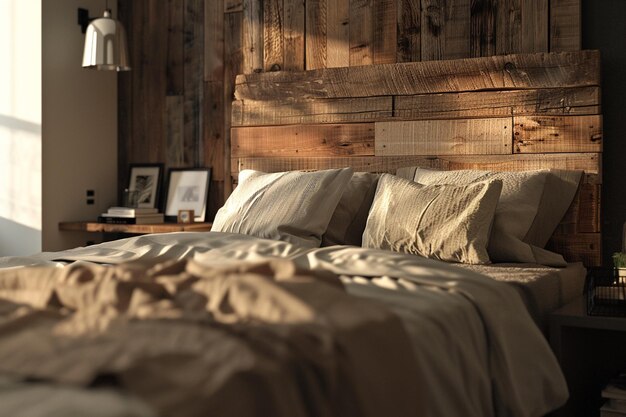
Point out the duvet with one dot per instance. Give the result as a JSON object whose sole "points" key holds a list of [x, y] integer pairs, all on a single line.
{"points": [[225, 324]]}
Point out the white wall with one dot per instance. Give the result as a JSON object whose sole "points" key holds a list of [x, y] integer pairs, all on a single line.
{"points": [[79, 126], [20, 127]]}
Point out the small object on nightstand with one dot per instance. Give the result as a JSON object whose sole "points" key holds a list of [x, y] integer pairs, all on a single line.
{"points": [[185, 216], [606, 295], [615, 395]]}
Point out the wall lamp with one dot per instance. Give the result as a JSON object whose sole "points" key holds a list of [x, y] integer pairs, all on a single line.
{"points": [[105, 42]]}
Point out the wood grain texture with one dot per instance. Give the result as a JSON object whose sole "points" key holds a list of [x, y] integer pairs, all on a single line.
{"points": [[547, 101], [409, 31], [303, 140], [213, 129], [140, 229], [535, 25], [316, 38], [213, 40], [361, 32], [527, 71], [175, 145], [281, 112], [483, 19], [232, 6], [509, 27], [542, 134], [175, 64], [233, 60], [338, 34], [273, 35], [252, 36], [294, 44], [444, 137], [194, 82], [445, 29], [384, 32], [588, 162], [565, 25], [584, 214]]}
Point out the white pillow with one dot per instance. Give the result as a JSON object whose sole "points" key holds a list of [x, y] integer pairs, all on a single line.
{"points": [[445, 222], [518, 206], [291, 206]]}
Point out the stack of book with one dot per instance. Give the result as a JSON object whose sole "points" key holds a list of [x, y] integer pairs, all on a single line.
{"points": [[615, 395], [131, 215]]}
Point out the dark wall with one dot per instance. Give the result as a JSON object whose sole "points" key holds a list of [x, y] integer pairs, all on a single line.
{"points": [[604, 28]]}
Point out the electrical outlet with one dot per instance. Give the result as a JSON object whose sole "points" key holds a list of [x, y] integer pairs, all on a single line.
{"points": [[91, 197]]}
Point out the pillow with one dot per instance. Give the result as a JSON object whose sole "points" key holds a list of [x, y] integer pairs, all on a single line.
{"points": [[348, 222], [446, 222], [291, 206], [517, 209], [558, 194]]}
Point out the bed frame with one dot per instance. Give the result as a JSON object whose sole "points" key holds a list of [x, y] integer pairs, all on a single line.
{"points": [[513, 112]]}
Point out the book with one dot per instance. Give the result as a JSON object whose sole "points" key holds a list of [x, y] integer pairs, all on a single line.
{"points": [[614, 392], [131, 215], [152, 219], [132, 211], [606, 411]]}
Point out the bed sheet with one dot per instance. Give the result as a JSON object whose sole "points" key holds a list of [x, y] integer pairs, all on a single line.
{"points": [[473, 338]]}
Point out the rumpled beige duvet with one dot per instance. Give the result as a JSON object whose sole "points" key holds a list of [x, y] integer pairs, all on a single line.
{"points": [[225, 324]]}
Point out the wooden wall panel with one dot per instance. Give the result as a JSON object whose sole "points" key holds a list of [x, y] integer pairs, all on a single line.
{"points": [[453, 137], [565, 33], [542, 134], [483, 19], [252, 29], [409, 31], [294, 44], [535, 26], [338, 34], [233, 63], [273, 35], [361, 32], [445, 29], [316, 41]]}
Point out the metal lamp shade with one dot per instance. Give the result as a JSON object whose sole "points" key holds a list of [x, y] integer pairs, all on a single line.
{"points": [[105, 45]]}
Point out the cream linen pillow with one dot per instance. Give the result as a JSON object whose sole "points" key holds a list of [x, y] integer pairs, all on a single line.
{"points": [[446, 222], [290, 206], [348, 222], [517, 209]]}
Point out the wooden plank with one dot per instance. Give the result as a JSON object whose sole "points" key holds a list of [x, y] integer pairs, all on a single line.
{"points": [[174, 128], [444, 137], [252, 36], [213, 40], [361, 32], [526, 71], [541, 134], [233, 58], [125, 105], [578, 247], [232, 6], [294, 45], [565, 25], [273, 49], [194, 85], [409, 31], [535, 25], [281, 112], [588, 162], [213, 129], [483, 28], [509, 27], [338, 34], [548, 101], [175, 64], [316, 47], [134, 228], [384, 25], [584, 214], [445, 29], [303, 140]]}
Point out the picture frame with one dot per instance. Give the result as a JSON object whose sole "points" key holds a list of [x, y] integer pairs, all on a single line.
{"points": [[146, 180], [187, 189], [185, 216]]}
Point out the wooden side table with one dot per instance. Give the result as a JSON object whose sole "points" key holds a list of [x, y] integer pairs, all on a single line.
{"points": [[590, 350], [138, 229]]}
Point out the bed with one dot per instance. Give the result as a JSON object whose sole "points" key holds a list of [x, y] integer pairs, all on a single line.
{"points": [[240, 321]]}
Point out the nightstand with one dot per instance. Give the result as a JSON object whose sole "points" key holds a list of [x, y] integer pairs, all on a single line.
{"points": [[590, 350], [137, 229]]}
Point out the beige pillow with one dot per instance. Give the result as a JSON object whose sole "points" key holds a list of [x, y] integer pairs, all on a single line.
{"points": [[446, 222], [291, 206], [517, 209], [348, 222]]}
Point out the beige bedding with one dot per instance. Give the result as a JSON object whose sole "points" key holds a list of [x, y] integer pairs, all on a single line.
{"points": [[464, 329]]}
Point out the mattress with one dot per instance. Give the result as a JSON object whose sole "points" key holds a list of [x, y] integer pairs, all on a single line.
{"points": [[543, 289]]}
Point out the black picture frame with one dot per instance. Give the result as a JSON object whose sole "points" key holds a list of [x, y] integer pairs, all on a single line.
{"points": [[187, 189], [146, 179]]}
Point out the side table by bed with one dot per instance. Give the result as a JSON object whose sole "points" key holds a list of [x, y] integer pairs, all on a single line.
{"points": [[114, 231], [591, 350]]}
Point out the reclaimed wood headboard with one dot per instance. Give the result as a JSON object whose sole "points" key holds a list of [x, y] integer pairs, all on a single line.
{"points": [[513, 112]]}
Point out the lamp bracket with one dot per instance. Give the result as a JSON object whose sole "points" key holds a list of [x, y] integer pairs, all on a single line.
{"points": [[84, 19]]}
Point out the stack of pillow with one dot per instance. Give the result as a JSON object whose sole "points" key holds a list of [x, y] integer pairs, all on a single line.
{"points": [[468, 216]]}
